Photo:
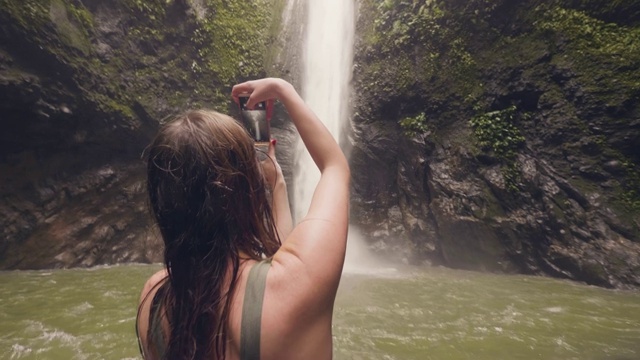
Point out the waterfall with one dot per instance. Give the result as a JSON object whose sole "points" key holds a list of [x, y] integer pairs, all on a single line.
{"points": [[329, 32], [328, 60], [327, 70]]}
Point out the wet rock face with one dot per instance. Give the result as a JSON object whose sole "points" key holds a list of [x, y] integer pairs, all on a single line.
{"points": [[84, 87], [96, 217], [72, 190], [71, 177], [560, 202], [388, 198]]}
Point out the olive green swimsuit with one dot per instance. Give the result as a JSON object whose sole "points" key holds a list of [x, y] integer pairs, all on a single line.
{"points": [[251, 316]]}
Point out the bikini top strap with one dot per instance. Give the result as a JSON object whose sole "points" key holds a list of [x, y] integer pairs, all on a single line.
{"points": [[153, 312], [252, 311]]}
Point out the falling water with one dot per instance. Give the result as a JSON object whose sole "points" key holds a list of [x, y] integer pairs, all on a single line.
{"points": [[328, 59], [327, 69]]}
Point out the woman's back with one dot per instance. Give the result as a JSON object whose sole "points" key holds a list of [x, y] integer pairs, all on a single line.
{"points": [[287, 330], [303, 274]]}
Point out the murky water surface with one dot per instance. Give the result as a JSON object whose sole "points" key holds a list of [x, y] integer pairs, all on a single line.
{"points": [[386, 314]]}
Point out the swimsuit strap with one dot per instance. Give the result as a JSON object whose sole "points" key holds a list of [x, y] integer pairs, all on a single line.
{"points": [[252, 311], [155, 334], [154, 304]]}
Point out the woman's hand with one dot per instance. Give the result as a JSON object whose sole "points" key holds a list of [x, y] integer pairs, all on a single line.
{"points": [[268, 90], [260, 90]]}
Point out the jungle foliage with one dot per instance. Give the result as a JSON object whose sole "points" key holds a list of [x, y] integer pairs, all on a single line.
{"points": [[442, 60], [206, 48], [496, 132]]}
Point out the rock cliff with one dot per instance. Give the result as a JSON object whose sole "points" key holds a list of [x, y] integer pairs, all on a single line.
{"points": [[501, 136], [84, 84], [487, 134]]}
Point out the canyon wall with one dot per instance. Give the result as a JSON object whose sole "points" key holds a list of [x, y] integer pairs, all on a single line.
{"points": [[501, 136], [84, 85]]}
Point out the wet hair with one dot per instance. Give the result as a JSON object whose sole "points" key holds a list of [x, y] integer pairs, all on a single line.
{"points": [[209, 199]]}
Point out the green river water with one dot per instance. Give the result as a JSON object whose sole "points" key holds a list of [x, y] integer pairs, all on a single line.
{"points": [[425, 313]]}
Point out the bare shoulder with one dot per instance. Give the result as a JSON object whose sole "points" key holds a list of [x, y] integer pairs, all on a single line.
{"points": [[296, 313], [152, 283]]}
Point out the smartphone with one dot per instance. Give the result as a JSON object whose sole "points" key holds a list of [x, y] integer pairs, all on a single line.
{"points": [[255, 121]]}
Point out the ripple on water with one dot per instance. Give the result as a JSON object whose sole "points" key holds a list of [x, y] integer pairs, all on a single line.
{"points": [[554, 309], [130, 320], [401, 318], [49, 334], [18, 351], [80, 309], [113, 294], [561, 342], [594, 301], [45, 339], [60, 335]]}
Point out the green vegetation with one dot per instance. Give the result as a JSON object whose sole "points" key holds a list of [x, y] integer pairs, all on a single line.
{"points": [[400, 23], [275, 44], [592, 35], [29, 14], [231, 40], [71, 21], [69, 28], [631, 185], [414, 125], [418, 50], [153, 10], [81, 15], [177, 57], [604, 55], [497, 133], [453, 57]]}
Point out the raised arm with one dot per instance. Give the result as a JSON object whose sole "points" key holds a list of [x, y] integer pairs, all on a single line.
{"points": [[314, 251], [279, 197]]}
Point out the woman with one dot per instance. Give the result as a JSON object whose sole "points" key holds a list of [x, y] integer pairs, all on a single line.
{"points": [[217, 298]]}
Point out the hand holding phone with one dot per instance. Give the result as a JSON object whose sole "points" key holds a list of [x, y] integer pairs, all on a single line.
{"points": [[255, 120]]}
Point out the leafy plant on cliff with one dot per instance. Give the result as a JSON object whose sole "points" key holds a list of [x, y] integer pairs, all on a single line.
{"points": [[631, 185], [154, 9], [29, 14], [496, 132], [411, 48], [604, 55], [593, 35], [414, 125], [163, 54], [400, 22]]}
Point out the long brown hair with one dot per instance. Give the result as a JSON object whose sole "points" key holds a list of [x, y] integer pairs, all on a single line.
{"points": [[209, 199]]}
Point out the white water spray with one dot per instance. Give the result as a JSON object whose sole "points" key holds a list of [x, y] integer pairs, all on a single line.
{"points": [[328, 60]]}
